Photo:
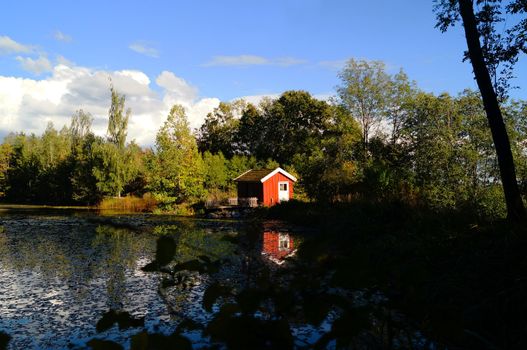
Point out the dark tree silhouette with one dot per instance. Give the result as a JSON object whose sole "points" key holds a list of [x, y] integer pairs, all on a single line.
{"points": [[480, 27]]}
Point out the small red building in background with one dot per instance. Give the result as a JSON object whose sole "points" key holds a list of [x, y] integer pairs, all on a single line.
{"points": [[270, 186]]}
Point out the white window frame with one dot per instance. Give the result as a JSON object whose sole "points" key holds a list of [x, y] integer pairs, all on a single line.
{"points": [[283, 238]]}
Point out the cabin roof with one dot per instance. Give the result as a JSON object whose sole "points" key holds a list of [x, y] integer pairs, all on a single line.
{"points": [[262, 175]]}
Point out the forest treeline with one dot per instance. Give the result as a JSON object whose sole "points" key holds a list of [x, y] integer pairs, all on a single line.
{"points": [[380, 138]]}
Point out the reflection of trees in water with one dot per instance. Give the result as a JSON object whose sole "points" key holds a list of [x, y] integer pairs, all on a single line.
{"points": [[76, 253], [3, 245], [49, 252], [119, 250], [193, 244]]}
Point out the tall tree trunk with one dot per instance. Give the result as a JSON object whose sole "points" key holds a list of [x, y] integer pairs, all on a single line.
{"points": [[515, 207]]}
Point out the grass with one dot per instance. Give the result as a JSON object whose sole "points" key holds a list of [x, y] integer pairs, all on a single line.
{"points": [[129, 204]]}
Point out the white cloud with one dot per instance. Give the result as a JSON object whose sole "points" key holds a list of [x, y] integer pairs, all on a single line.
{"points": [[36, 66], [256, 99], [288, 61], [63, 60], [242, 60], [334, 64], [198, 111], [178, 91], [328, 96], [252, 60], [176, 87], [144, 49], [60, 36], [29, 104], [9, 46]]}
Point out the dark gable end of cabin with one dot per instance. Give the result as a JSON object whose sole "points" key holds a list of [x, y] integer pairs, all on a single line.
{"points": [[249, 184]]}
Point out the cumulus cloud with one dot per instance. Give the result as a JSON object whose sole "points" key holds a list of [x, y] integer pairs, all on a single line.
{"points": [[9, 46], [29, 104], [178, 91], [60, 36], [144, 49], [36, 66], [252, 60], [176, 87]]}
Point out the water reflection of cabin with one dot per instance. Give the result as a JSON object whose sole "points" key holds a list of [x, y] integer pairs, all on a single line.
{"points": [[277, 246], [266, 186]]}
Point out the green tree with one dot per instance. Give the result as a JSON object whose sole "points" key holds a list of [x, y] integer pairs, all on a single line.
{"points": [[82, 178], [401, 91], [80, 127], [239, 164], [251, 131], [118, 119], [486, 51], [112, 162], [176, 171], [331, 169], [283, 127], [54, 152], [5, 159], [216, 176], [365, 91], [83, 160], [24, 173], [218, 132], [109, 171]]}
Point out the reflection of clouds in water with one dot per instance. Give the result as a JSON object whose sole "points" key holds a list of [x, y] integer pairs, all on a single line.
{"points": [[55, 283], [62, 273]]}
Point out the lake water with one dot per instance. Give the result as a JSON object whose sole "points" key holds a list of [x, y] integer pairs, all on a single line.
{"points": [[60, 271]]}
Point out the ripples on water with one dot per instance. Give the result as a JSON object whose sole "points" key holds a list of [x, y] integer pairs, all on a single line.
{"points": [[59, 274]]}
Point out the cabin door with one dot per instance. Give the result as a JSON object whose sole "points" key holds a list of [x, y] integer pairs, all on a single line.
{"points": [[283, 191]]}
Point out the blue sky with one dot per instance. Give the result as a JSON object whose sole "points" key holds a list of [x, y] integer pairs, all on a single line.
{"points": [[209, 51]]}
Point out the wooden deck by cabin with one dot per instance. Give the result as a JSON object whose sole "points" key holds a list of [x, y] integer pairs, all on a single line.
{"points": [[232, 203]]}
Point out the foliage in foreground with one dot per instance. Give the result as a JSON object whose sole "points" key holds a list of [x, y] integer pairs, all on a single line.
{"points": [[382, 275], [455, 277], [4, 340]]}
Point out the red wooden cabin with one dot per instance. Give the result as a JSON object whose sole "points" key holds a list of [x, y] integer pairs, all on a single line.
{"points": [[270, 186]]}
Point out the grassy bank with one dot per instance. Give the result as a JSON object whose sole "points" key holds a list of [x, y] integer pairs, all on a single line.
{"points": [[462, 280], [129, 204]]}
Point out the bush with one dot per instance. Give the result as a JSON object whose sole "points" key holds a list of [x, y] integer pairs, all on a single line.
{"points": [[490, 203]]}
